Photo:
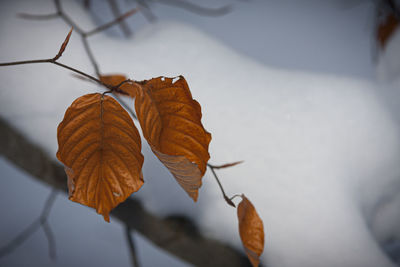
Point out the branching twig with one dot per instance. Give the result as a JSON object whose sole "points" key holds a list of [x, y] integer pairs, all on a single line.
{"points": [[131, 245], [123, 26], [144, 7], [33, 227], [117, 20], [195, 250], [55, 62], [52, 61], [84, 34]]}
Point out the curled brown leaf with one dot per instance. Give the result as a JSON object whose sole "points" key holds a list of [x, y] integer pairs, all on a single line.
{"points": [[171, 123]]}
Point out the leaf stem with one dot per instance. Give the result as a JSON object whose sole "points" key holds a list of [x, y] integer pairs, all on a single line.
{"points": [[227, 199]]}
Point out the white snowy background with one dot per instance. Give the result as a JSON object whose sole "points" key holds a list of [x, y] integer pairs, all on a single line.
{"points": [[296, 89]]}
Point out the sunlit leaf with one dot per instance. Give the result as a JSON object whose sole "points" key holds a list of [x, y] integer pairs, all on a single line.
{"points": [[100, 148], [251, 230], [171, 124]]}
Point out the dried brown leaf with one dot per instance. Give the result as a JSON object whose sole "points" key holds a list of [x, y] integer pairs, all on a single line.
{"points": [[251, 230], [100, 148], [64, 45], [171, 123], [115, 79]]}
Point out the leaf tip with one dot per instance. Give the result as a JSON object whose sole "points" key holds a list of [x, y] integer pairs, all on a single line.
{"points": [[106, 217]]}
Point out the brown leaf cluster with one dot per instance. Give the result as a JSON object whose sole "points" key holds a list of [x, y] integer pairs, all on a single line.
{"points": [[101, 147]]}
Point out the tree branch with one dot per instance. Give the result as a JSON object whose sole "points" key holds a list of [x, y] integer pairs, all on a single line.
{"points": [[192, 248], [115, 9], [131, 245], [33, 227]]}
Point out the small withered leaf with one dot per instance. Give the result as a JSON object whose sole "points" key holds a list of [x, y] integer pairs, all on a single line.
{"points": [[100, 148], [171, 123], [64, 45], [115, 79], [251, 230]]}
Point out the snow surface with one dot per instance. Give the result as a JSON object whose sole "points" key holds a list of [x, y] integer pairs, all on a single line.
{"points": [[321, 150]]}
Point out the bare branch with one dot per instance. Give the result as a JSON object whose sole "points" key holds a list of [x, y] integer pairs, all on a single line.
{"points": [[200, 10], [145, 9], [112, 23], [115, 9], [50, 240], [51, 60], [38, 16], [90, 55], [131, 245], [33, 227], [66, 18]]}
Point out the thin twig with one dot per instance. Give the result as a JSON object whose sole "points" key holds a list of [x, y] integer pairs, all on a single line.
{"points": [[51, 60], [66, 18], [50, 240], [117, 13], [145, 9], [227, 199], [25, 62], [131, 245], [112, 23], [90, 55], [33, 227], [19, 239], [200, 10], [86, 4], [38, 16], [125, 106]]}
